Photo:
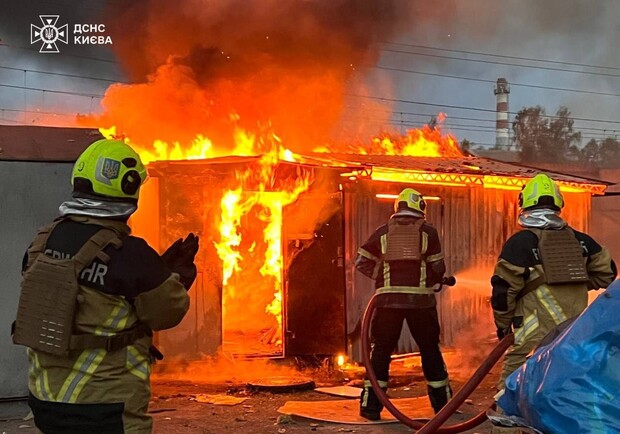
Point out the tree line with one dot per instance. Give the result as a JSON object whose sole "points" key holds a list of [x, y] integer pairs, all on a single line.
{"points": [[540, 138]]}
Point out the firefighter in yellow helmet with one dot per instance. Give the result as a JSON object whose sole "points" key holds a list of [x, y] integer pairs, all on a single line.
{"points": [[404, 258], [91, 297], [544, 272]]}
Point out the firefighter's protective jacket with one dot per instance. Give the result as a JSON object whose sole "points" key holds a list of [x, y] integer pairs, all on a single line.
{"points": [[134, 288], [410, 282], [522, 297]]}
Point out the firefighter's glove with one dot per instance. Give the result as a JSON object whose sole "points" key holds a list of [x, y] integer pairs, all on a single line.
{"points": [[503, 332], [180, 258]]}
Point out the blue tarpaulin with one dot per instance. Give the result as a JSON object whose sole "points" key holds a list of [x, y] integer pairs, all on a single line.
{"points": [[572, 385]]}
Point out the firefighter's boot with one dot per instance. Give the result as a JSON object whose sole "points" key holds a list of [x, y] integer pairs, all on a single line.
{"points": [[439, 393], [370, 406]]}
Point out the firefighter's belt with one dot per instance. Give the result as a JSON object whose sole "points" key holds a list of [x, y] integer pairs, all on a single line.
{"points": [[109, 343], [415, 290], [404, 240], [530, 286], [561, 256]]}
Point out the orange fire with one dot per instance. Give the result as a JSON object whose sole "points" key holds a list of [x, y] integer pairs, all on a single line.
{"points": [[201, 147], [250, 199], [424, 142], [418, 142], [236, 204], [250, 227]]}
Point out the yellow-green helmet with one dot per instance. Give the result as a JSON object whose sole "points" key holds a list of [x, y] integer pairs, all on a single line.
{"points": [[410, 199], [541, 191], [108, 168]]}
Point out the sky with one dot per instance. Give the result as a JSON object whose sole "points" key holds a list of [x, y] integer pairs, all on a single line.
{"points": [[389, 62]]}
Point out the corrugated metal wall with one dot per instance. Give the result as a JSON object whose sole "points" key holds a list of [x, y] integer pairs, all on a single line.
{"points": [[31, 193], [473, 222]]}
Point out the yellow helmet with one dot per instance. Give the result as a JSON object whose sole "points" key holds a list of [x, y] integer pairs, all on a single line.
{"points": [[410, 199], [541, 191], [108, 168]]}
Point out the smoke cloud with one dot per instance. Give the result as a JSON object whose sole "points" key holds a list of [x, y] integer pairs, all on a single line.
{"points": [[212, 67]]}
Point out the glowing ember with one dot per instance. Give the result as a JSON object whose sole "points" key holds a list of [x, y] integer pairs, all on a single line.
{"points": [[340, 360]]}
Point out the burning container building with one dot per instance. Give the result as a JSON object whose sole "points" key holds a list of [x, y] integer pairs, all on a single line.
{"points": [[276, 265], [279, 234]]}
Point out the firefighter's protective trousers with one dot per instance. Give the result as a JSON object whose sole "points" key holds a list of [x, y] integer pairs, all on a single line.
{"points": [[386, 327]]}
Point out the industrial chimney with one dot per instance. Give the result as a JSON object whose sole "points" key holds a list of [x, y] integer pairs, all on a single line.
{"points": [[501, 138]]}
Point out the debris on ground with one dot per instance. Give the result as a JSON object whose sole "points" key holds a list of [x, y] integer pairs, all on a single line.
{"points": [[285, 419], [219, 399], [161, 410], [344, 391]]}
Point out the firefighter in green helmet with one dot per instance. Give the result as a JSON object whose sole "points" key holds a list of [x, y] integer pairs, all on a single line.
{"points": [[405, 259], [91, 297], [544, 272]]}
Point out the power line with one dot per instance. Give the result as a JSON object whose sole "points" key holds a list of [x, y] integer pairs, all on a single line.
{"points": [[59, 73], [404, 101], [478, 130], [494, 62], [425, 114], [65, 92], [34, 50], [2, 109], [450, 117], [487, 129], [484, 80], [483, 129], [503, 56], [12, 121]]}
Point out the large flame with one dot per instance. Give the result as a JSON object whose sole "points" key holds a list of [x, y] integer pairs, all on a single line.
{"points": [[254, 199], [250, 227], [427, 141], [237, 203], [246, 144]]}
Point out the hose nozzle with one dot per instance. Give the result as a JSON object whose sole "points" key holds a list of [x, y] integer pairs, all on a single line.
{"points": [[449, 281]]}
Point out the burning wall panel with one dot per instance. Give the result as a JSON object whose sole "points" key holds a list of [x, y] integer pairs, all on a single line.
{"points": [[170, 207], [474, 222], [238, 306]]}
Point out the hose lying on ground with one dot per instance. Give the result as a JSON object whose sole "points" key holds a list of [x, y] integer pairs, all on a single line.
{"points": [[433, 425]]}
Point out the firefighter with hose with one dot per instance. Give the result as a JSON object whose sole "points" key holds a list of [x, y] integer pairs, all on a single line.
{"points": [[405, 259], [543, 273], [91, 296]]}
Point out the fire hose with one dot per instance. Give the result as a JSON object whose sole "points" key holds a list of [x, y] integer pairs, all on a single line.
{"points": [[433, 425]]}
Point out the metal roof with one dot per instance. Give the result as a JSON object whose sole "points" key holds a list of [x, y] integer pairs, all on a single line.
{"points": [[467, 165], [467, 170], [65, 144]]}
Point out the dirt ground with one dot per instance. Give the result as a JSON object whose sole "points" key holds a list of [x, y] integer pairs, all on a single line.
{"points": [[175, 409]]}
